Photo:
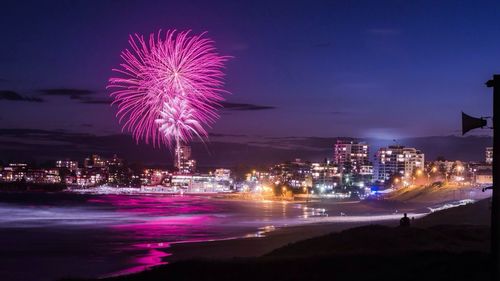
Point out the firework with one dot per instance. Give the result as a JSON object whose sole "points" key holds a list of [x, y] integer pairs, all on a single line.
{"points": [[169, 87], [178, 119]]}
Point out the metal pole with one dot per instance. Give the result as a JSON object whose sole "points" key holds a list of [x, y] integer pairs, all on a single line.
{"points": [[495, 202]]}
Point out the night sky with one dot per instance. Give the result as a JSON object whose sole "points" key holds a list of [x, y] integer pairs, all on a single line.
{"points": [[377, 69]]}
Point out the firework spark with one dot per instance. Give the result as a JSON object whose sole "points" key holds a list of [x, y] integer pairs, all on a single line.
{"points": [[172, 76], [178, 119]]}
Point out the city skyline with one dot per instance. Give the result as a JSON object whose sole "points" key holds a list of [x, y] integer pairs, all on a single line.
{"points": [[389, 58], [348, 171]]}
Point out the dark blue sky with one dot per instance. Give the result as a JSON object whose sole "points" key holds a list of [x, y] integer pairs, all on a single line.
{"points": [[384, 69]]}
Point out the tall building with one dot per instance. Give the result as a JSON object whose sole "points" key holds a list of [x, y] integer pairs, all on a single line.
{"points": [[183, 161], [352, 159], [397, 160], [489, 155], [350, 154]]}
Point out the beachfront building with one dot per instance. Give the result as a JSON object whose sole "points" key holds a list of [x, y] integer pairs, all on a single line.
{"points": [[199, 183], [397, 160], [352, 159], [325, 176], [295, 174]]}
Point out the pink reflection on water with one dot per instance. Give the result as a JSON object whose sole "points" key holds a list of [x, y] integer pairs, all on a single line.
{"points": [[155, 205], [153, 256], [155, 222]]}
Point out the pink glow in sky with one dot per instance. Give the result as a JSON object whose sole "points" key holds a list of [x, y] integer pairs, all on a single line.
{"points": [[169, 87]]}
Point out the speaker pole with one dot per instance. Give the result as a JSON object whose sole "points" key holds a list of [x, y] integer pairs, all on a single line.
{"points": [[495, 205]]}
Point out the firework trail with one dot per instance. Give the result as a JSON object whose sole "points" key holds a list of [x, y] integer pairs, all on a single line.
{"points": [[169, 87]]}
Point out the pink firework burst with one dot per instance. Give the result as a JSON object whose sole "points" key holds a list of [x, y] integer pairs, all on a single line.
{"points": [[178, 120], [175, 71]]}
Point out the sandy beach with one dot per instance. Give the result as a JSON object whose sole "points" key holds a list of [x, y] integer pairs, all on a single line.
{"points": [[255, 246]]}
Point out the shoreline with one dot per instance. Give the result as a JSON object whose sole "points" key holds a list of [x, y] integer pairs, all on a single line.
{"points": [[255, 245]]}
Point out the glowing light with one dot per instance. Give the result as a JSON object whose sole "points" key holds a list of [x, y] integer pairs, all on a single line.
{"points": [[169, 87], [177, 119]]}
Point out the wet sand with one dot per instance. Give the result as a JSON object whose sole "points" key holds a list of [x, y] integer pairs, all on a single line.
{"points": [[256, 246]]}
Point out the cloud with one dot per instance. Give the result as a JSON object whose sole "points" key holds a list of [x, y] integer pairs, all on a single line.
{"points": [[88, 97], [26, 144], [76, 94], [13, 96], [95, 101], [338, 112], [226, 135], [82, 95], [245, 106]]}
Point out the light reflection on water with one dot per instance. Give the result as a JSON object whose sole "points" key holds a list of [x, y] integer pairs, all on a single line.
{"points": [[139, 229], [96, 235]]}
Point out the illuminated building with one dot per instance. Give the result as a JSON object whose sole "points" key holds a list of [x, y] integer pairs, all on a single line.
{"points": [[95, 161], [489, 155], [199, 183], [222, 175], [352, 158], [350, 154], [326, 169], [397, 160], [21, 172], [296, 174], [68, 164], [117, 173], [325, 176], [155, 177], [14, 172], [50, 176], [185, 165]]}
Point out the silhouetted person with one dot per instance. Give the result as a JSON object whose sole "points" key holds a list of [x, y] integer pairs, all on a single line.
{"points": [[404, 221]]}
